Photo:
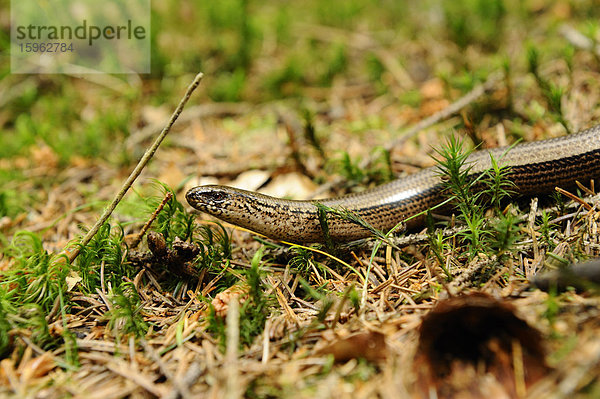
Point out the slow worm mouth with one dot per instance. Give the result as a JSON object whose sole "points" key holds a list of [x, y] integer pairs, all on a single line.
{"points": [[535, 168], [190, 196]]}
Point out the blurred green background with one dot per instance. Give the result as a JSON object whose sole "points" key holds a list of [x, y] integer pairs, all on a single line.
{"points": [[256, 52]]}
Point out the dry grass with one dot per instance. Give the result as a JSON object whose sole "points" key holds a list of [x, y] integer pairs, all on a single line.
{"points": [[360, 334]]}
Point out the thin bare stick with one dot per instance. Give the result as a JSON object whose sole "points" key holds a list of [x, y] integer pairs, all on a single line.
{"points": [[233, 389], [578, 39], [531, 227], [138, 169], [452, 109], [145, 228], [575, 198]]}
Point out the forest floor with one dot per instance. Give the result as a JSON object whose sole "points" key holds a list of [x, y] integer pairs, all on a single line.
{"points": [[300, 102]]}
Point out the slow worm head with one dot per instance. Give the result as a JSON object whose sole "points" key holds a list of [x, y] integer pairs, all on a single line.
{"points": [[295, 221]]}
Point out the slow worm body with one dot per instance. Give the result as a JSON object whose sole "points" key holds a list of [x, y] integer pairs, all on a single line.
{"points": [[535, 168]]}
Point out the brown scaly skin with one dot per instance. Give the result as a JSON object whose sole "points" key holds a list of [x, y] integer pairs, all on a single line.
{"points": [[535, 168]]}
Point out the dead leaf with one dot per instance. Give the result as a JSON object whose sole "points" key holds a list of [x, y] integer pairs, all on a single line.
{"points": [[37, 367], [291, 185], [72, 279], [251, 180], [369, 345], [222, 299]]}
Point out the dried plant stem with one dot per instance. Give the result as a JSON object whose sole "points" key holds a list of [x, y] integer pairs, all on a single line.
{"points": [[232, 383], [138, 169], [145, 228], [450, 110]]}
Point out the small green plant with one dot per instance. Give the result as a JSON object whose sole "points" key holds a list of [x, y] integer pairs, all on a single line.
{"points": [[106, 250], [253, 310], [310, 132], [38, 277], [552, 309], [545, 228], [552, 93], [173, 220], [375, 70], [229, 86], [346, 214], [350, 169], [504, 229], [30, 290], [336, 64], [6, 309], [437, 246], [324, 223], [472, 192], [363, 371], [412, 98], [304, 263], [32, 317], [8, 203], [61, 129], [590, 29], [126, 318], [326, 301], [475, 22], [216, 325], [379, 169], [460, 183], [504, 232], [508, 82], [497, 183], [215, 248], [287, 79]]}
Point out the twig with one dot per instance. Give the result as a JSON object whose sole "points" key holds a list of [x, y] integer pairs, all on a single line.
{"points": [[266, 342], [531, 227], [465, 276], [138, 169], [450, 110], [232, 375], [178, 387], [575, 198], [121, 368], [579, 40], [145, 228], [191, 376], [518, 368]]}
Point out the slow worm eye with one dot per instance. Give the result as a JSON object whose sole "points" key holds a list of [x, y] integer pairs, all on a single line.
{"points": [[217, 196]]}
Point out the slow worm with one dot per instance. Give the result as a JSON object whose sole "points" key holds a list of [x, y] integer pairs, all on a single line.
{"points": [[535, 168]]}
